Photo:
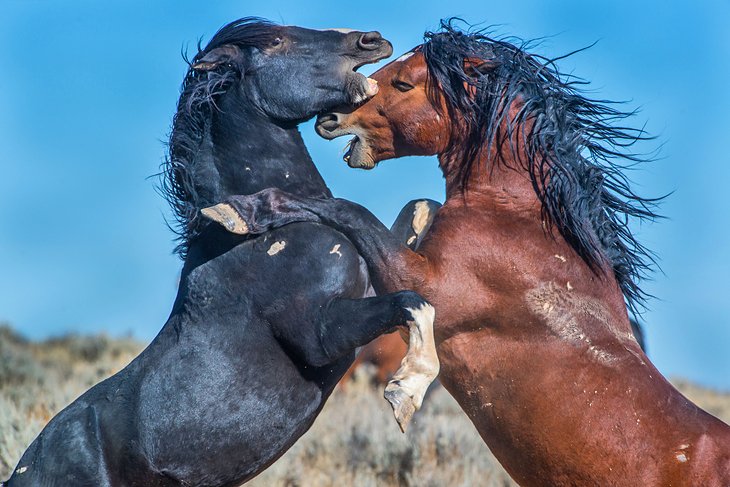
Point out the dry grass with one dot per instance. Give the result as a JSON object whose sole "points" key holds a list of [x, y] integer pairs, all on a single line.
{"points": [[355, 440]]}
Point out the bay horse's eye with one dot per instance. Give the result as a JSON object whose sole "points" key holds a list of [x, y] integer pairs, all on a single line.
{"points": [[402, 85]]}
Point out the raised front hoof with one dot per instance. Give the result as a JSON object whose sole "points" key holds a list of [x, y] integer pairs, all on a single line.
{"points": [[403, 404], [226, 215]]}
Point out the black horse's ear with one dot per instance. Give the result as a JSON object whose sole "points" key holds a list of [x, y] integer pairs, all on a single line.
{"points": [[220, 55]]}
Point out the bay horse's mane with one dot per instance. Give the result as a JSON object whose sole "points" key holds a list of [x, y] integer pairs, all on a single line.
{"points": [[194, 109], [573, 147]]}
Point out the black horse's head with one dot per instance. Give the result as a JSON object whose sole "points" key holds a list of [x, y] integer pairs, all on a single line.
{"points": [[242, 94], [290, 73]]}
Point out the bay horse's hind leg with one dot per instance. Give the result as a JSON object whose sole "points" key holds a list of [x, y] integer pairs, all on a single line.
{"points": [[350, 323]]}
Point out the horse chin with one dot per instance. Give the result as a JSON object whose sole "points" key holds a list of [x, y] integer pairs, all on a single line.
{"points": [[358, 154]]}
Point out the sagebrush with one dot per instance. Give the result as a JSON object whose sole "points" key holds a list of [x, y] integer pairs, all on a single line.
{"points": [[355, 441]]}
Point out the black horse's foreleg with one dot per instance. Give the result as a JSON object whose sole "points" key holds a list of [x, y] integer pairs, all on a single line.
{"points": [[351, 323], [346, 324], [392, 264]]}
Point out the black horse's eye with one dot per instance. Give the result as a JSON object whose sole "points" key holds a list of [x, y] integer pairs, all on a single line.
{"points": [[402, 85], [276, 42]]}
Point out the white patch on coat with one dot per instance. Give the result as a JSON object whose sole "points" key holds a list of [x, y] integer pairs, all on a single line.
{"points": [[276, 247], [420, 217], [560, 258], [21, 470], [565, 313], [336, 250], [340, 30], [404, 57]]}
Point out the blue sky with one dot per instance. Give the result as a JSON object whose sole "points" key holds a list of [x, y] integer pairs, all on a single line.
{"points": [[89, 88]]}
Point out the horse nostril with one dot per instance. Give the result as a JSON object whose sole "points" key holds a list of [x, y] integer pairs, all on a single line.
{"points": [[370, 41], [328, 122]]}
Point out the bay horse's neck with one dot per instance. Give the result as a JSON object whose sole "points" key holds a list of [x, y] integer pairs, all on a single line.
{"points": [[500, 178], [249, 152]]}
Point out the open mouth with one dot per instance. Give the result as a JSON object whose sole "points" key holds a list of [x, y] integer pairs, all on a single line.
{"points": [[362, 88], [357, 155], [349, 148]]}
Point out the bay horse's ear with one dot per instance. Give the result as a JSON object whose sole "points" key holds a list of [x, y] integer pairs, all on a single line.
{"points": [[216, 57], [475, 66]]}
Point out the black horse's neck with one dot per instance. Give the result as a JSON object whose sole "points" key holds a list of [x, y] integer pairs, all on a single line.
{"points": [[248, 152], [242, 152]]}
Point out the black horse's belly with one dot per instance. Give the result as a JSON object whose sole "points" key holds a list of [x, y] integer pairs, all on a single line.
{"points": [[231, 399]]}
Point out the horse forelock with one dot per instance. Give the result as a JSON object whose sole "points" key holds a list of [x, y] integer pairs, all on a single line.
{"points": [[573, 147], [194, 109]]}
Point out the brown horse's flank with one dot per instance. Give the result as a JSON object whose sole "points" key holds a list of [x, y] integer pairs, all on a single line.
{"points": [[533, 337]]}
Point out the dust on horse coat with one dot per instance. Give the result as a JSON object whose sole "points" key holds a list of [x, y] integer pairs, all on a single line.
{"points": [[261, 329], [530, 264], [385, 352]]}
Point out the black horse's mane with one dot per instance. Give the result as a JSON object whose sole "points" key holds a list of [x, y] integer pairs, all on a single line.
{"points": [[574, 148], [189, 125]]}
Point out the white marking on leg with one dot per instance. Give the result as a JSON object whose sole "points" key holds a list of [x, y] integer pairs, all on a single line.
{"points": [[276, 247], [418, 368], [336, 250], [420, 217]]}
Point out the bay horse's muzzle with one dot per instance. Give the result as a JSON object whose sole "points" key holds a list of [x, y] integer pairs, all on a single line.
{"points": [[327, 125]]}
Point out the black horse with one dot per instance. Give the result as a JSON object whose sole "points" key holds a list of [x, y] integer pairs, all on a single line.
{"points": [[262, 329]]}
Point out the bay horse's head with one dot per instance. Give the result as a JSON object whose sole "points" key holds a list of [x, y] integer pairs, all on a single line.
{"points": [[290, 73], [403, 119], [477, 102]]}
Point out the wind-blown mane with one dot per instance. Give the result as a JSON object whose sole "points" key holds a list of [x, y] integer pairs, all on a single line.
{"points": [[191, 122], [570, 145]]}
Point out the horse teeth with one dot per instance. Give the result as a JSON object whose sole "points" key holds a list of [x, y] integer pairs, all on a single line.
{"points": [[372, 88]]}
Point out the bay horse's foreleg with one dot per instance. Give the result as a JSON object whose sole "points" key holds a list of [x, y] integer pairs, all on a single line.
{"points": [[414, 221], [392, 265]]}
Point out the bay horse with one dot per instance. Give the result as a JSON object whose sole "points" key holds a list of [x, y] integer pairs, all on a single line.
{"points": [[385, 352], [531, 263], [262, 328]]}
